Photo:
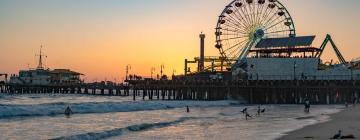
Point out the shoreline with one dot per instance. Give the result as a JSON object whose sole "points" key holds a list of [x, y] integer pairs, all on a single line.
{"points": [[347, 120]]}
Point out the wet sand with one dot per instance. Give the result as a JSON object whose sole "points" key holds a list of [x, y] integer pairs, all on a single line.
{"points": [[347, 120]]}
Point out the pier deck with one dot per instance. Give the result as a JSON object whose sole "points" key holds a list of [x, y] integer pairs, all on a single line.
{"points": [[254, 92]]}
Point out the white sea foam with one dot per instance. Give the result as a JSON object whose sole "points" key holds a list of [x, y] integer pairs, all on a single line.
{"points": [[119, 118], [50, 109], [120, 131]]}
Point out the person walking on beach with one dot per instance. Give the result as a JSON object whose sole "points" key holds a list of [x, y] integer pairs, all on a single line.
{"points": [[337, 136], [244, 110], [346, 104], [247, 115], [355, 100], [258, 111], [307, 105], [187, 109]]}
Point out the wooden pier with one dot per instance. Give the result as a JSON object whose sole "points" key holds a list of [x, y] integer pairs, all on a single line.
{"points": [[254, 92]]}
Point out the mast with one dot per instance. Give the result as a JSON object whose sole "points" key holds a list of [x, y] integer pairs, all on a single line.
{"points": [[41, 55]]}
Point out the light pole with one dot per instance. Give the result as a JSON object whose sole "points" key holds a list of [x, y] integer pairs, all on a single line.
{"points": [[295, 70], [161, 70], [128, 67], [174, 72], [152, 72], [352, 75]]}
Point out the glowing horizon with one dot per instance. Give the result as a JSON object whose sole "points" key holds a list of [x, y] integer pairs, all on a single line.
{"points": [[99, 38]]}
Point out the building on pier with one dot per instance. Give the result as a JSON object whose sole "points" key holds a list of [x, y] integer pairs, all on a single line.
{"points": [[293, 58], [42, 76]]}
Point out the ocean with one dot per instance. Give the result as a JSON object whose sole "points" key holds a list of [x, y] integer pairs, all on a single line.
{"points": [[41, 116]]}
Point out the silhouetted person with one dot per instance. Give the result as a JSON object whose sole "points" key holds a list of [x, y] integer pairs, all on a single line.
{"points": [[354, 101], [258, 111], [244, 110], [68, 111], [247, 115], [337, 136], [346, 104], [187, 109], [263, 110], [307, 105]]}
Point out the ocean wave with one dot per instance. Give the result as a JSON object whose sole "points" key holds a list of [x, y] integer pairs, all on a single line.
{"points": [[121, 131], [51, 109]]}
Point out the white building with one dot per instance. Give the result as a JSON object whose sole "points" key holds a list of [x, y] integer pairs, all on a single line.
{"points": [[293, 58]]}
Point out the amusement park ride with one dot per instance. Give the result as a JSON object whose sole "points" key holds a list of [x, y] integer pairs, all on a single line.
{"points": [[258, 36]]}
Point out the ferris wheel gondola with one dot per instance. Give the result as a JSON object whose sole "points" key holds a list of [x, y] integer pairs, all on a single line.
{"points": [[243, 23]]}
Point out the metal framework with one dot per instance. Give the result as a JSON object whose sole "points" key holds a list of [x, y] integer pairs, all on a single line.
{"points": [[243, 23], [323, 45], [41, 55], [217, 63]]}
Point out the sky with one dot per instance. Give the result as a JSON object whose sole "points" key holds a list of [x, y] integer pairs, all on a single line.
{"points": [[100, 37]]}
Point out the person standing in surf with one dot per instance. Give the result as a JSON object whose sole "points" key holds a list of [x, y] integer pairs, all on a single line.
{"points": [[68, 111], [307, 105]]}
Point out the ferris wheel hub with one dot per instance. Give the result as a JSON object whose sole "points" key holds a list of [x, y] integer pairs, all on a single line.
{"points": [[259, 33]]}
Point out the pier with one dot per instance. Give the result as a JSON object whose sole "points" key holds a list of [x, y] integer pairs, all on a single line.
{"points": [[253, 92]]}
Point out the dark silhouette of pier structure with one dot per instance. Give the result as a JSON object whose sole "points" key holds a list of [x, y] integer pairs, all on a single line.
{"points": [[253, 92]]}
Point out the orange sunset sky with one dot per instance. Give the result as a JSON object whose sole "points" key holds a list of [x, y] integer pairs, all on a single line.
{"points": [[100, 37]]}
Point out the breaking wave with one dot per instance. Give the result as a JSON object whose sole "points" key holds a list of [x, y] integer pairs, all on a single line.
{"points": [[121, 131], [53, 109]]}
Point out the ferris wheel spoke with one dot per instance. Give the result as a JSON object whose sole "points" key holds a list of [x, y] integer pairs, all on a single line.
{"points": [[234, 34], [235, 31], [270, 19], [240, 51], [236, 20], [277, 31], [255, 11], [233, 23], [240, 43], [265, 12], [236, 28], [247, 15], [233, 38], [251, 13], [273, 21], [273, 25], [234, 53], [265, 18], [262, 13], [240, 17], [270, 16], [258, 13]]}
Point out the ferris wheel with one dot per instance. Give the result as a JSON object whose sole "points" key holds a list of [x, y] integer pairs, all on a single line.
{"points": [[243, 23]]}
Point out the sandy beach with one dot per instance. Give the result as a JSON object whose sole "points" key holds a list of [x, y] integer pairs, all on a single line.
{"points": [[348, 121]]}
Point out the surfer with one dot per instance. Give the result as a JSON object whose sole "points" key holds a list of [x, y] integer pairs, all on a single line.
{"points": [[68, 111]]}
